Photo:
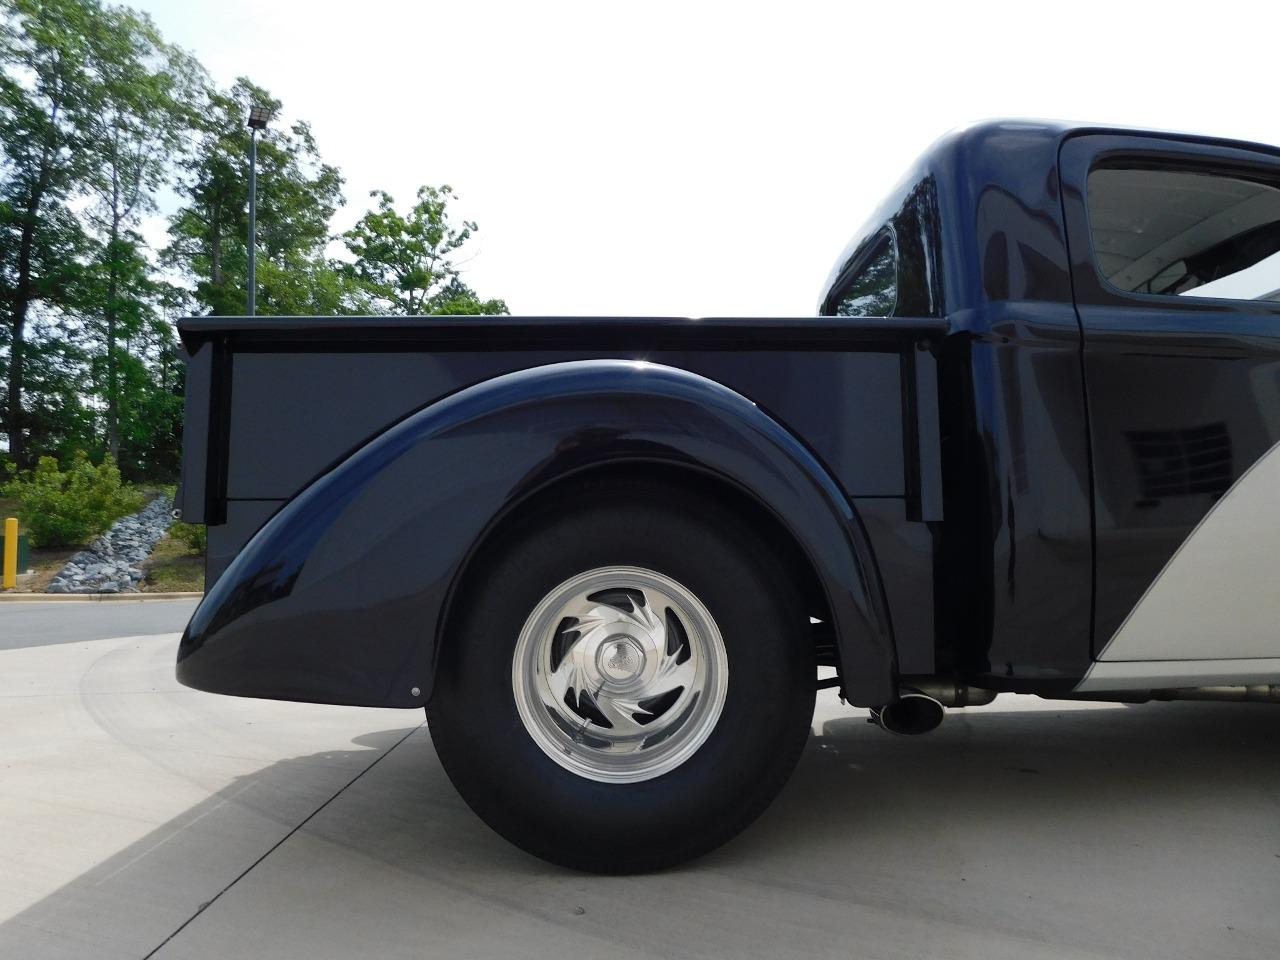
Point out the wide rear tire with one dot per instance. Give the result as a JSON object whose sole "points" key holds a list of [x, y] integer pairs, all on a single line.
{"points": [[628, 682]]}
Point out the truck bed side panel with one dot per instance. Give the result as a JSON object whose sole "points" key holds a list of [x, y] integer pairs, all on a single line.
{"points": [[284, 401], [281, 438]]}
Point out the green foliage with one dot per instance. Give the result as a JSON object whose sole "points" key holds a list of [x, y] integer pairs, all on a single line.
{"points": [[69, 507], [58, 414], [195, 536], [43, 81], [93, 107], [99, 115], [299, 284], [151, 377], [297, 196], [405, 261], [456, 299]]}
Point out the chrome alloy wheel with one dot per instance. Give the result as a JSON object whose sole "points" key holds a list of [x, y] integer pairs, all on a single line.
{"points": [[619, 674]]}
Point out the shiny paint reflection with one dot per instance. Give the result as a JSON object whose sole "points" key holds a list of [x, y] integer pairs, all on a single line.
{"points": [[1184, 393], [322, 603]]}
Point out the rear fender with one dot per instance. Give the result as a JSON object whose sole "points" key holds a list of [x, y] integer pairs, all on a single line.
{"points": [[341, 597]]}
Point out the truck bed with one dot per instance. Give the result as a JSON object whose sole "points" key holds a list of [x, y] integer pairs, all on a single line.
{"points": [[275, 402]]}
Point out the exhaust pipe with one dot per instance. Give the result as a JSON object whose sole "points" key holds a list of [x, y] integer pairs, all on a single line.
{"points": [[919, 707], [948, 692], [910, 715]]}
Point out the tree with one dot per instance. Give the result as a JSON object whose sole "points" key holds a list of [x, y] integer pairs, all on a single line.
{"points": [[143, 100], [59, 416], [98, 115], [134, 367], [458, 300], [44, 86], [405, 262], [299, 284], [297, 196], [152, 375]]}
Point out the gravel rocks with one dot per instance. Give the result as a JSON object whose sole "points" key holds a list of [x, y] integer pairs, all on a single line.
{"points": [[113, 562]]}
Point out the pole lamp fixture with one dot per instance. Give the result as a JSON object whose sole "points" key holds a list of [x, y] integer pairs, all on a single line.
{"points": [[258, 118]]}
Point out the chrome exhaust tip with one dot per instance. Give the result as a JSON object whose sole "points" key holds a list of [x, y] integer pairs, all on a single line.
{"points": [[910, 715]]}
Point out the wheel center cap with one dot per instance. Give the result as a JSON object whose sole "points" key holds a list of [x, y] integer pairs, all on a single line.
{"points": [[620, 658]]}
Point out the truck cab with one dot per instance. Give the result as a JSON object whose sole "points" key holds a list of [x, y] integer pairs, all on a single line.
{"points": [[1026, 445], [1108, 378]]}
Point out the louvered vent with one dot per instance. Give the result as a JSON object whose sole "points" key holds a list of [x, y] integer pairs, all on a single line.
{"points": [[1180, 463]]}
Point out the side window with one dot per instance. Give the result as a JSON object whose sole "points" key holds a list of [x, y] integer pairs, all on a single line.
{"points": [[1185, 232], [873, 290]]}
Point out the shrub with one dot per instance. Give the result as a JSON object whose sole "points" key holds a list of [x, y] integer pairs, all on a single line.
{"points": [[194, 535], [64, 508]]}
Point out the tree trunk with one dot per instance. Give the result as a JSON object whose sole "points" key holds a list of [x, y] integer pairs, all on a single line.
{"points": [[22, 296], [14, 417], [113, 366]]}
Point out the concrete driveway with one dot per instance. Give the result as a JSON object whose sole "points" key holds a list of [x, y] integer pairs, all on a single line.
{"points": [[139, 819]]}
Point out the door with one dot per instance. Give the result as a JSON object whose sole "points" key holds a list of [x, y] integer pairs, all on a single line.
{"points": [[1175, 248]]}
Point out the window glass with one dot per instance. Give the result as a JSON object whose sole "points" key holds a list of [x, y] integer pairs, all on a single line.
{"points": [[873, 291], [1186, 233]]}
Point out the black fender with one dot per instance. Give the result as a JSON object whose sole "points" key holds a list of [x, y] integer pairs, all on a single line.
{"points": [[341, 596]]}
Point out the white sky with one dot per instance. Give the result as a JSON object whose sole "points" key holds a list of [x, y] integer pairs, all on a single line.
{"points": [[703, 158]]}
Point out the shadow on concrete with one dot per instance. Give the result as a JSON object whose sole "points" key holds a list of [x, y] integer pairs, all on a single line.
{"points": [[1082, 808], [128, 904], [1031, 772], [1023, 772]]}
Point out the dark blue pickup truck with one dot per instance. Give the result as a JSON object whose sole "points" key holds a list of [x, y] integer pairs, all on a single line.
{"points": [[1027, 445]]}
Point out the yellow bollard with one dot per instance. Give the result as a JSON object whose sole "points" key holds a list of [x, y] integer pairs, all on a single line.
{"points": [[10, 553]]}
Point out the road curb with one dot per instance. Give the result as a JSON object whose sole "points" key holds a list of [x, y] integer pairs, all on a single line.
{"points": [[8, 597]]}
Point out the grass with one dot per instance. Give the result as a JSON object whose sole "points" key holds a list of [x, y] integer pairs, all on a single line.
{"points": [[173, 567]]}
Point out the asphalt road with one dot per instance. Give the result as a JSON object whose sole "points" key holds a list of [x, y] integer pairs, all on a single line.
{"points": [[70, 621], [140, 819]]}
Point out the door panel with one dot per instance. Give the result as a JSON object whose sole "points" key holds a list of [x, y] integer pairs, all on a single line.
{"points": [[1183, 391]]}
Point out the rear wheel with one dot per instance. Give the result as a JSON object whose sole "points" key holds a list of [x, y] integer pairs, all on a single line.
{"points": [[628, 683]]}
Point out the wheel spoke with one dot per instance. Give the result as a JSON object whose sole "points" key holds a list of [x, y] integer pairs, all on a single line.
{"points": [[671, 675], [644, 618], [621, 712]]}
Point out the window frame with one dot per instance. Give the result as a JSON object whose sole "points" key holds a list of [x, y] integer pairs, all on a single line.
{"points": [[1083, 152]]}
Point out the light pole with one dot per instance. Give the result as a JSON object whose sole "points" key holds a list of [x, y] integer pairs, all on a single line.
{"points": [[258, 117]]}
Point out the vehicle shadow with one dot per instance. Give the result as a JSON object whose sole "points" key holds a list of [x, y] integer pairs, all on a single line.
{"points": [[129, 903], [1031, 818], [1099, 768]]}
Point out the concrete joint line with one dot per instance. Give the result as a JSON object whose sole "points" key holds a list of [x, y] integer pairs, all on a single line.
{"points": [[275, 846]]}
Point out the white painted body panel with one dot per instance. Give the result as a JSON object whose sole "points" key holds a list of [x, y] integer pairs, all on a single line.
{"points": [[1168, 674], [1218, 598]]}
